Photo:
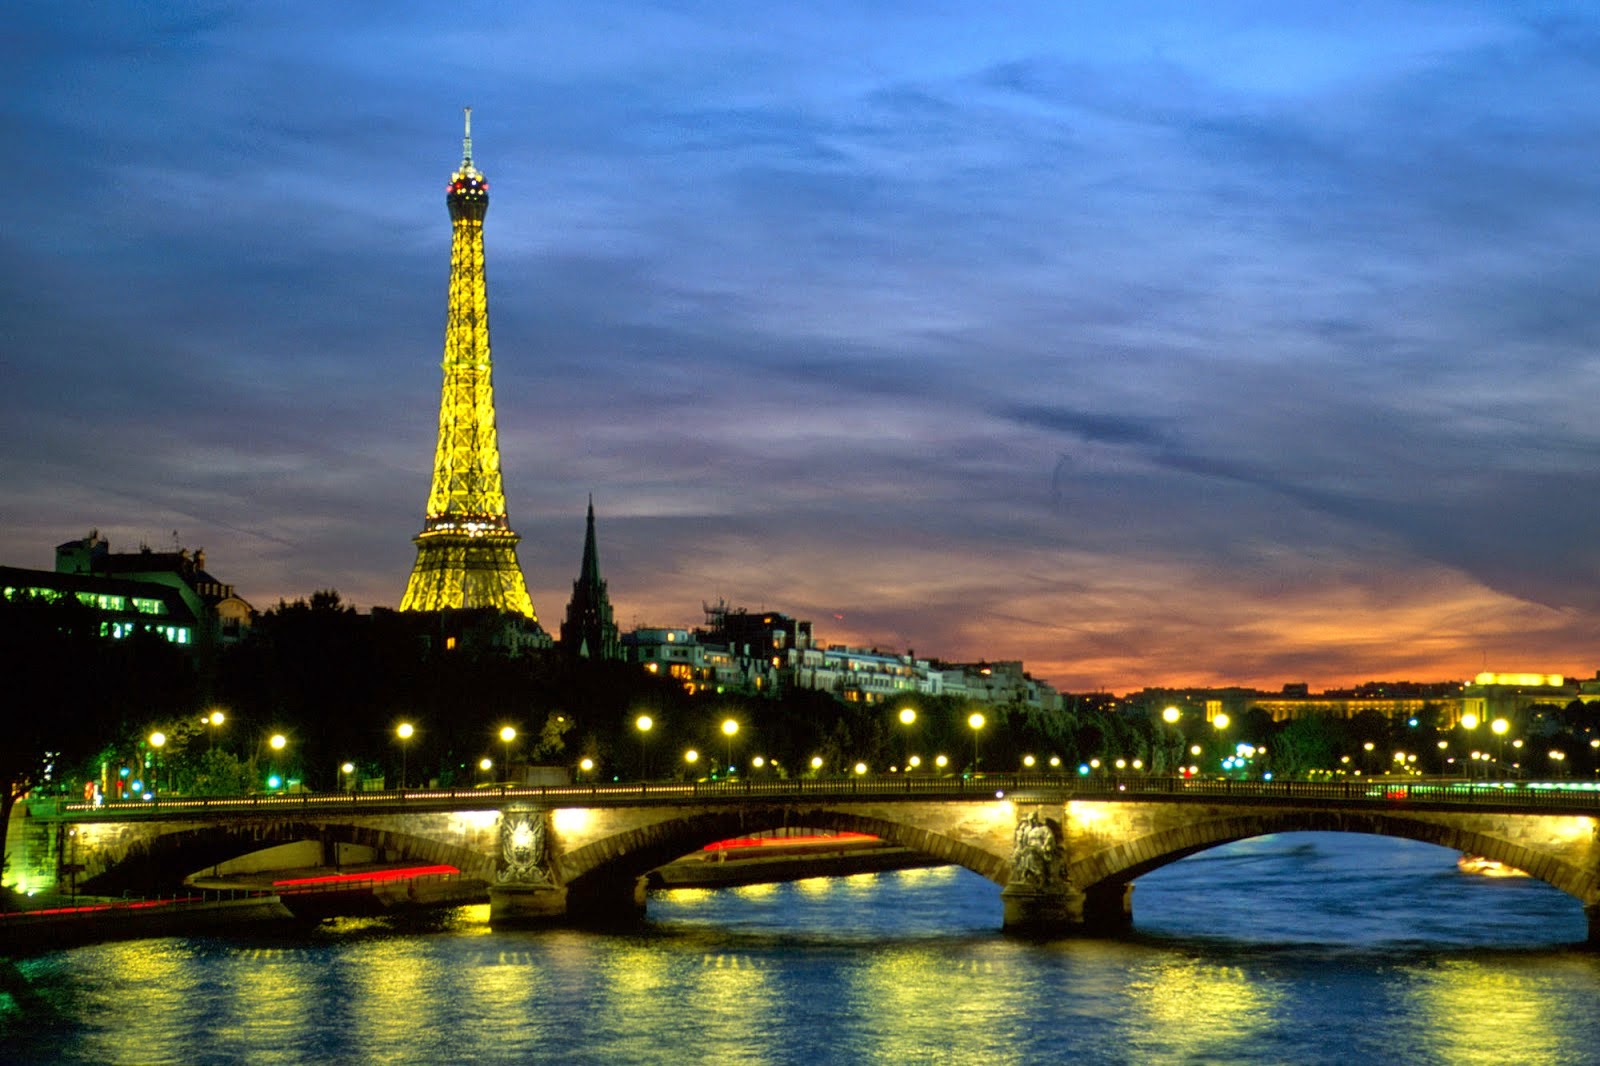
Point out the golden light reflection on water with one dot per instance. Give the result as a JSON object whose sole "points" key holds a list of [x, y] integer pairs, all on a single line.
{"points": [[1475, 1013], [1204, 1009], [926, 1004]]}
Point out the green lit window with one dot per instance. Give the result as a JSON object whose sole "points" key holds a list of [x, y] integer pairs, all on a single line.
{"points": [[145, 606]]}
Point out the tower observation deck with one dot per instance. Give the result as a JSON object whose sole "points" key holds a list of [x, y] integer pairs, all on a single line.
{"points": [[466, 552]]}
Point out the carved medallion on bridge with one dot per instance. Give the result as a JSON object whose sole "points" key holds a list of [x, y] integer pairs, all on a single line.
{"points": [[1036, 853], [523, 848]]}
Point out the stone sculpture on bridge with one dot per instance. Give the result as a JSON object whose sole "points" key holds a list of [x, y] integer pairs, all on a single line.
{"points": [[523, 848], [1036, 852]]}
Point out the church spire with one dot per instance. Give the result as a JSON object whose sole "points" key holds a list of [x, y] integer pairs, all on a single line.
{"points": [[589, 632], [589, 572]]}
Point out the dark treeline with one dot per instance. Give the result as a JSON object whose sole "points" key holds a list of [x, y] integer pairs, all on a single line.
{"points": [[336, 684]]}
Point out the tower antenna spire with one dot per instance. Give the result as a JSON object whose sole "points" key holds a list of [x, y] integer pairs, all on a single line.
{"points": [[466, 141]]}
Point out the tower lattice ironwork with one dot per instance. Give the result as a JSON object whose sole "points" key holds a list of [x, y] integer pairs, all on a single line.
{"points": [[466, 552]]}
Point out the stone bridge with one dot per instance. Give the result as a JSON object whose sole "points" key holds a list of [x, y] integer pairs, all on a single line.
{"points": [[1064, 852]]}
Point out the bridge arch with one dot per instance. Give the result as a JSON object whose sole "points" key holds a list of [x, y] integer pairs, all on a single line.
{"points": [[1106, 871], [627, 855], [163, 856]]}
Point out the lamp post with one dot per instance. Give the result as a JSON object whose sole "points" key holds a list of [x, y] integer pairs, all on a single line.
{"points": [[158, 740], [729, 729], [1499, 727], [586, 765], [348, 770], [214, 720], [691, 759], [1172, 715], [404, 731], [644, 723], [908, 718], [976, 721], [507, 735], [277, 742]]}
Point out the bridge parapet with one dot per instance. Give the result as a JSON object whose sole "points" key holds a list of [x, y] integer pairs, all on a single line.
{"points": [[1065, 851]]}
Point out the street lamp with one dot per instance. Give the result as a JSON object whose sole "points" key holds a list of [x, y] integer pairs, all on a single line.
{"points": [[644, 723], [729, 728], [816, 763], [404, 732], [215, 720], [277, 742], [158, 740], [507, 735], [486, 764], [585, 766], [691, 757], [941, 761], [908, 718], [975, 720], [1172, 715], [1499, 727], [348, 769]]}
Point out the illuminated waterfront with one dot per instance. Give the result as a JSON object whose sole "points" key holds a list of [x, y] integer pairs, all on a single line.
{"points": [[1302, 948]]}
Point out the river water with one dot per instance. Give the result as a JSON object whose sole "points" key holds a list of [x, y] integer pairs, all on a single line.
{"points": [[1300, 948]]}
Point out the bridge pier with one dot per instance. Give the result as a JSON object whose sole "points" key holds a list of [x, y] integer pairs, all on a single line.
{"points": [[1108, 908], [1041, 912], [521, 905], [1099, 910]]}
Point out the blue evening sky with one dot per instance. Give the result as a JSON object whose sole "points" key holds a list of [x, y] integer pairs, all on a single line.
{"points": [[1147, 343]]}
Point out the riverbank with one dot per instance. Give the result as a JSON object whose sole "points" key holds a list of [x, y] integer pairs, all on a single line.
{"points": [[74, 923], [221, 903]]}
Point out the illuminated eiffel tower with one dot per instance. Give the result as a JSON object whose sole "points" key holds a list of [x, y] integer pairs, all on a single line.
{"points": [[466, 552]]}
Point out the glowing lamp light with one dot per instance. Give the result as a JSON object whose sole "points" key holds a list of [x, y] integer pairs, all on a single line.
{"points": [[1027, 760], [157, 739], [941, 761], [1499, 727], [816, 762], [274, 781], [279, 740], [645, 723], [485, 763], [729, 727], [1083, 769], [1171, 715], [1221, 720], [907, 715], [861, 767], [1469, 721], [586, 764]]}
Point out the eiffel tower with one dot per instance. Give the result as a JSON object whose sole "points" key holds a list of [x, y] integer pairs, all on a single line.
{"points": [[466, 552]]}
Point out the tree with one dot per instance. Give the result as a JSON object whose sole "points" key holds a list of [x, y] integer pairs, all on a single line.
{"points": [[74, 691]]}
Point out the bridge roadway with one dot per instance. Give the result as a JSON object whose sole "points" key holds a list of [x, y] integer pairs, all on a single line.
{"points": [[1065, 850]]}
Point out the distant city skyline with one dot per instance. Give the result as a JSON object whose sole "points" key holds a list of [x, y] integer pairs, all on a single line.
{"points": [[1173, 346]]}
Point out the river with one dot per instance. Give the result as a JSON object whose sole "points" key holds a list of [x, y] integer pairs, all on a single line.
{"points": [[1302, 948]]}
